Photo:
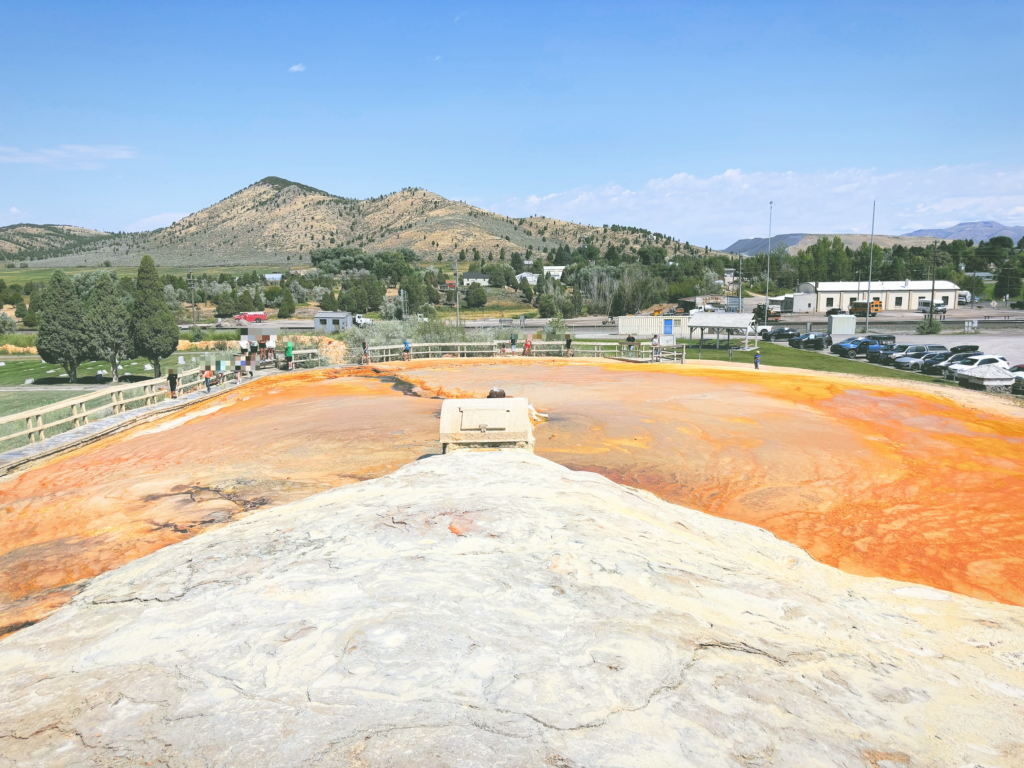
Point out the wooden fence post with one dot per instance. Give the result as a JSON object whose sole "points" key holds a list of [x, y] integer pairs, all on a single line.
{"points": [[28, 425]]}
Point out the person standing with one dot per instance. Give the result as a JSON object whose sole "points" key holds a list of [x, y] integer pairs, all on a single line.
{"points": [[757, 360], [208, 378], [272, 349], [365, 359], [568, 345], [655, 349], [172, 383], [631, 343], [527, 346], [406, 350]]}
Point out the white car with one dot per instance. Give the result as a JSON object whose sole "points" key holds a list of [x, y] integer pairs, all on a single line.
{"points": [[974, 362]]}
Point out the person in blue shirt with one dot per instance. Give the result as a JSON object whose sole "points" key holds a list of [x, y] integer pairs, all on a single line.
{"points": [[406, 350], [757, 361]]}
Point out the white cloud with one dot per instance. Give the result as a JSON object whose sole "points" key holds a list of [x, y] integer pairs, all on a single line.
{"points": [[721, 209], [155, 222], [15, 210], [297, 68], [77, 156]]}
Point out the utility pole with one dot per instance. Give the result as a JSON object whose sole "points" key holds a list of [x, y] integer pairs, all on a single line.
{"points": [[871, 261], [458, 320], [192, 286], [768, 278], [931, 307]]}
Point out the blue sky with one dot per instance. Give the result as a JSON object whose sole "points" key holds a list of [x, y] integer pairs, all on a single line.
{"points": [[683, 118]]}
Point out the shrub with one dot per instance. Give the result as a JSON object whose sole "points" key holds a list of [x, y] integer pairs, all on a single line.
{"points": [[929, 326], [7, 323], [476, 296]]}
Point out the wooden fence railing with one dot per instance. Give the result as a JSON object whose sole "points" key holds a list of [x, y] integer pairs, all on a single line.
{"points": [[641, 350], [64, 415]]}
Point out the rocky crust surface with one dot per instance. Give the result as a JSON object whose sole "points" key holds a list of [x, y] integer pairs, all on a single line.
{"points": [[496, 609]]}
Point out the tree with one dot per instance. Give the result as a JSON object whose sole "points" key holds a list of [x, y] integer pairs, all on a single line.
{"points": [[153, 330], [547, 305], [527, 290], [1008, 281], [476, 296], [328, 303], [31, 318], [225, 304], [618, 303], [107, 320], [287, 308], [7, 324], [245, 302], [63, 338], [20, 310]]}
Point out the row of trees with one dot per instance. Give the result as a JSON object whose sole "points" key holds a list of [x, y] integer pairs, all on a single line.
{"points": [[107, 320]]}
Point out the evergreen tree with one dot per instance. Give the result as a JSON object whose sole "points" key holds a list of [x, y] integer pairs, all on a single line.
{"points": [[154, 333], [527, 290], [287, 308], [476, 296], [225, 304], [1008, 281], [259, 302], [31, 318], [107, 320], [245, 303], [62, 337], [20, 310], [328, 303]]}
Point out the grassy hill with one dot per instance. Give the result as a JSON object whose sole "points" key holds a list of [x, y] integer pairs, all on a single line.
{"points": [[29, 241], [276, 221]]}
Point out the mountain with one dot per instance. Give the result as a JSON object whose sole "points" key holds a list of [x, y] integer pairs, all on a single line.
{"points": [[798, 242], [972, 230], [277, 221], [32, 240], [755, 245]]}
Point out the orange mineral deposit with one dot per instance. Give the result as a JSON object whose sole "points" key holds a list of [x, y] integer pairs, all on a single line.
{"points": [[875, 478]]}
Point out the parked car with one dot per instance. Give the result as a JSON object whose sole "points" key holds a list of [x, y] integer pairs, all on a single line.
{"points": [[835, 311], [251, 317], [916, 361], [1017, 305], [932, 362], [864, 345], [955, 358], [909, 350], [973, 362], [1017, 368], [965, 348], [875, 351], [811, 341], [841, 346], [925, 305], [781, 333]]}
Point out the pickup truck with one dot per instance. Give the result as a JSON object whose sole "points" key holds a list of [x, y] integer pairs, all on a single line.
{"points": [[251, 317], [863, 345], [774, 315]]}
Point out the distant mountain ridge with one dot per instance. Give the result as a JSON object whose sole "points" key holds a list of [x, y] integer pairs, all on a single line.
{"points": [[971, 230], [794, 242], [275, 221]]}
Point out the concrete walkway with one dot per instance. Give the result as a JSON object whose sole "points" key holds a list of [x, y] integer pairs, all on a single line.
{"points": [[19, 458]]}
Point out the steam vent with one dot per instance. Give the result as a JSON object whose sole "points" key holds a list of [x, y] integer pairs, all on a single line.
{"points": [[496, 609]]}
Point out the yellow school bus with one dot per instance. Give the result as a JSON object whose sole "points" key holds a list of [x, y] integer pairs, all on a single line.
{"points": [[860, 308]]}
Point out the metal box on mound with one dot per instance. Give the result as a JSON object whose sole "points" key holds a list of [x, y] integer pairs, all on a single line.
{"points": [[502, 422]]}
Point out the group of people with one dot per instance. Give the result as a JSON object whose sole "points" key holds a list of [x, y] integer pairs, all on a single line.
{"points": [[511, 347]]}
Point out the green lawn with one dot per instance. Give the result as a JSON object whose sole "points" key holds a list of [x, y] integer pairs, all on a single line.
{"points": [[32, 397], [15, 372], [790, 357]]}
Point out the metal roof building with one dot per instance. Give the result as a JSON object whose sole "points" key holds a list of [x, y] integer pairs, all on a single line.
{"points": [[332, 322], [893, 294]]}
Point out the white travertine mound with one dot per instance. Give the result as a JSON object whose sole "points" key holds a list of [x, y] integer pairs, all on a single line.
{"points": [[496, 609]]}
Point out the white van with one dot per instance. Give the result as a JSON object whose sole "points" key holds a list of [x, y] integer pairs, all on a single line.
{"points": [[925, 305]]}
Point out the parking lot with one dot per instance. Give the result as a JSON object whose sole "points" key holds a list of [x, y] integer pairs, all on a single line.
{"points": [[1008, 345]]}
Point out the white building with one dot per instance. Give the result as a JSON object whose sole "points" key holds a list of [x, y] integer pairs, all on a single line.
{"points": [[555, 272], [476, 278], [893, 294], [530, 277]]}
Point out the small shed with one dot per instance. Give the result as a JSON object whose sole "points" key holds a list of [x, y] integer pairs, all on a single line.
{"points": [[332, 322], [731, 323], [987, 377]]}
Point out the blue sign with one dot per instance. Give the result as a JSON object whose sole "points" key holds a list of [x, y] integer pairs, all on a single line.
{"points": [[668, 326]]}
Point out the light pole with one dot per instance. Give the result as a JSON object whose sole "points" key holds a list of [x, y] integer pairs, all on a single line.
{"points": [[871, 261], [768, 277]]}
